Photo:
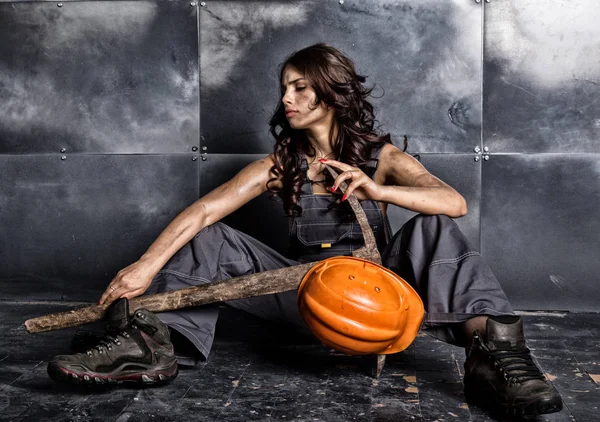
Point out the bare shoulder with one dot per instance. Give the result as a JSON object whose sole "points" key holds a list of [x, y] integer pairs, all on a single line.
{"points": [[390, 154], [248, 183], [261, 167], [394, 160], [260, 172], [268, 161], [399, 168]]}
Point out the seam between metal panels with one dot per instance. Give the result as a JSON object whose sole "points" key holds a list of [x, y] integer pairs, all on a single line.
{"points": [[482, 123], [199, 97]]}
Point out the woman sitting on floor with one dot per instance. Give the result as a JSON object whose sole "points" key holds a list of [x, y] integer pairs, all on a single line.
{"points": [[324, 116]]}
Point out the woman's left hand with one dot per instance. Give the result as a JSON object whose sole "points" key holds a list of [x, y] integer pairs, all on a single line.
{"points": [[358, 182]]}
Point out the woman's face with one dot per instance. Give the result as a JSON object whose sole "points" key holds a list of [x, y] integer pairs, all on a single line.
{"points": [[299, 99]]}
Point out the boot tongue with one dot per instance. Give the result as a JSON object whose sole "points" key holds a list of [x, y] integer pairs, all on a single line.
{"points": [[117, 315], [504, 333]]}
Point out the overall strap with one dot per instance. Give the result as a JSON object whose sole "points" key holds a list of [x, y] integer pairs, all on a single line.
{"points": [[306, 185], [371, 165]]}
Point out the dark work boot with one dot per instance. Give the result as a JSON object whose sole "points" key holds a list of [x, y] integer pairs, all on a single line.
{"points": [[500, 374], [117, 317], [134, 349]]}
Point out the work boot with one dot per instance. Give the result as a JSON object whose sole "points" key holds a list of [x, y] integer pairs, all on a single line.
{"points": [[134, 349], [500, 374], [117, 317]]}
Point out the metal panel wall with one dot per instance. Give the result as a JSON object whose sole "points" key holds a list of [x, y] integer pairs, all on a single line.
{"points": [[97, 82], [542, 76], [102, 77], [67, 227], [423, 57], [540, 228], [541, 195], [99, 128]]}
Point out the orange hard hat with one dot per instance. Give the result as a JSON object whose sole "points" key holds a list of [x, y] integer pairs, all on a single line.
{"points": [[359, 307]]}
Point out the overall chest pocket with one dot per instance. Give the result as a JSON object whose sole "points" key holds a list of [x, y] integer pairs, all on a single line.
{"points": [[323, 233], [330, 233]]}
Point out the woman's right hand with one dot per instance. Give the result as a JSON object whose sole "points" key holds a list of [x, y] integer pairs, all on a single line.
{"points": [[130, 282]]}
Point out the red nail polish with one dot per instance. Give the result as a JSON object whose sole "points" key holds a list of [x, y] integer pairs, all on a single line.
{"points": [[344, 198], [322, 160], [333, 188]]}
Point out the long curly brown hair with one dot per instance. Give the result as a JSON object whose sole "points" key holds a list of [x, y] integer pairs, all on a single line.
{"points": [[337, 84]]}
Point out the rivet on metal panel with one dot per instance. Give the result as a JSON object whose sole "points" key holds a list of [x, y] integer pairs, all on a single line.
{"points": [[477, 150], [64, 157], [194, 148], [63, 150], [487, 1], [477, 1], [193, 4], [486, 157], [477, 158], [486, 149], [60, 5], [194, 158], [203, 158], [204, 148], [202, 3], [341, 1]]}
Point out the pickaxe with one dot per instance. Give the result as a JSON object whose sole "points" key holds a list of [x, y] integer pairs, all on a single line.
{"points": [[263, 283]]}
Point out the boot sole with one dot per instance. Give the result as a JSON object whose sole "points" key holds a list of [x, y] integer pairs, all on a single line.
{"points": [[524, 411], [150, 377]]}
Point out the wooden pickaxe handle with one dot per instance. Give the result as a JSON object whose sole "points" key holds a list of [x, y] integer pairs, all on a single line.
{"points": [[263, 283], [369, 251]]}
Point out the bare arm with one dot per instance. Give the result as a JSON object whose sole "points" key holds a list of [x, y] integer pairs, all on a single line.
{"points": [[135, 279], [403, 181], [409, 185]]}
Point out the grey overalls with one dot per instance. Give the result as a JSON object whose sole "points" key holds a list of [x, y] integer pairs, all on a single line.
{"points": [[429, 252]]}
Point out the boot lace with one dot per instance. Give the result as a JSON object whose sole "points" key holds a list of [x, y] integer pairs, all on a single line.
{"points": [[109, 341], [516, 365]]}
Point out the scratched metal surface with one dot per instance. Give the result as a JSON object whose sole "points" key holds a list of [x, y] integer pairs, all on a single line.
{"points": [[98, 76], [540, 226], [67, 227], [122, 78], [542, 76], [424, 58]]}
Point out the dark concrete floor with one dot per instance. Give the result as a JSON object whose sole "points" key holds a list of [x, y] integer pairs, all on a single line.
{"points": [[259, 371]]}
